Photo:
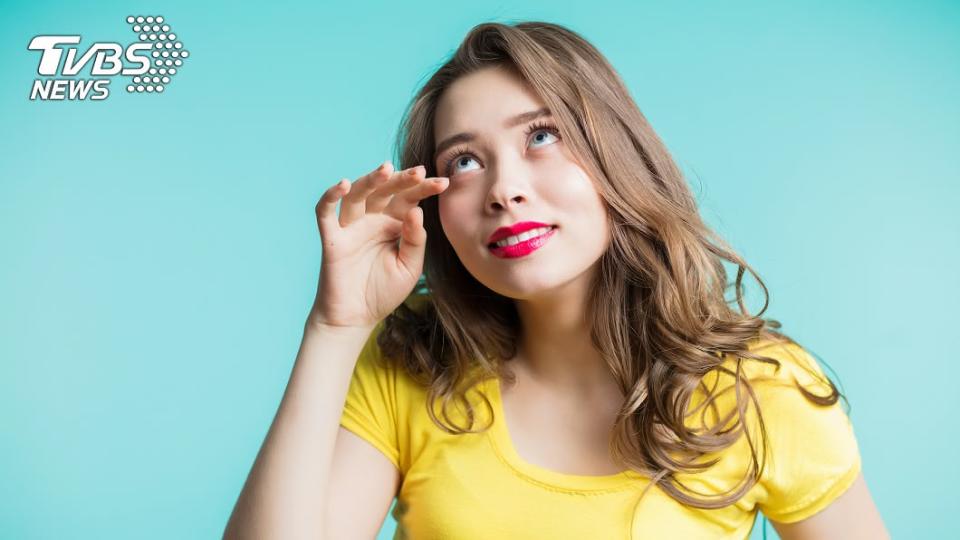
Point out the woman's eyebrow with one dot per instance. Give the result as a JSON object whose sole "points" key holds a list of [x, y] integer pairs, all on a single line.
{"points": [[510, 122]]}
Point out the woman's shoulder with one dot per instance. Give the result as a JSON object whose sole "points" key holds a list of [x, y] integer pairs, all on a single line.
{"points": [[776, 362], [374, 364], [806, 446], [774, 376]]}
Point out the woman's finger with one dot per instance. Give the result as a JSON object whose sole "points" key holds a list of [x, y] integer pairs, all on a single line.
{"points": [[401, 203], [326, 208], [354, 203], [401, 181], [413, 241]]}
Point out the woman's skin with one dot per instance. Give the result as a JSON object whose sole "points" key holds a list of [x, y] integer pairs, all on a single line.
{"points": [[562, 408]]}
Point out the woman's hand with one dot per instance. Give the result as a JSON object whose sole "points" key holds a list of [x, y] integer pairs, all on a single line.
{"points": [[364, 273]]}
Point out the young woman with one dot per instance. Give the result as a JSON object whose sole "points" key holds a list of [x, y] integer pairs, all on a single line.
{"points": [[524, 334]]}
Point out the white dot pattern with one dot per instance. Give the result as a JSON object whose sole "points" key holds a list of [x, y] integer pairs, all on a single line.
{"points": [[166, 52]]}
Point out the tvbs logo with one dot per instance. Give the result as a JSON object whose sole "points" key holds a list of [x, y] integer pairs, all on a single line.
{"points": [[151, 63]]}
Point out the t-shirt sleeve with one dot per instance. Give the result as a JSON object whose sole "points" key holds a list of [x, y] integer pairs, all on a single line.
{"points": [[813, 456], [370, 410]]}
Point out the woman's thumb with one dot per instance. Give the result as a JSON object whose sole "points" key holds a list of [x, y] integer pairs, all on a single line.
{"points": [[413, 241]]}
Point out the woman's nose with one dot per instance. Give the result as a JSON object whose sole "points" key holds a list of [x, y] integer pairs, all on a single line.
{"points": [[501, 202], [509, 184]]}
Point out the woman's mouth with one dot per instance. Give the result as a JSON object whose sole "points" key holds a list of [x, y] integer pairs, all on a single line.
{"points": [[522, 244]]}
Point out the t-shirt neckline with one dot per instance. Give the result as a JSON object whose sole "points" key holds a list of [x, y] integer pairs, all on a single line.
{"points": [[499, 437]]}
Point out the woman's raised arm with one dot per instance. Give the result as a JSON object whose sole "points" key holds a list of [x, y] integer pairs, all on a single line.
{"points": [[372, 258]]}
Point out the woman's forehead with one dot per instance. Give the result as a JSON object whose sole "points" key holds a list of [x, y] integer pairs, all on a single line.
{"points": [[483, 101]]}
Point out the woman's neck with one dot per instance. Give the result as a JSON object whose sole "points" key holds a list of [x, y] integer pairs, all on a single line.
{"points": [[555, 349]]}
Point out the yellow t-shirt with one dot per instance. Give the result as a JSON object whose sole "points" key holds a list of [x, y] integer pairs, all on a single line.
{"points": [[476, 486]]}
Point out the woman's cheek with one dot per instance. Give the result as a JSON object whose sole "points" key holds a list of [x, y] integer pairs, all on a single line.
{"points": [[448, 208], [573, 184], [455, 217]]}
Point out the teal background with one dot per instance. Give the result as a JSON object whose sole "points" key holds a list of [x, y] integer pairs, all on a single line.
{"points": [[158, 253]]}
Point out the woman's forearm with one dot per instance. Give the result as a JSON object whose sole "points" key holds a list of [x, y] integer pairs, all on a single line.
{"points": [[285, 493]]}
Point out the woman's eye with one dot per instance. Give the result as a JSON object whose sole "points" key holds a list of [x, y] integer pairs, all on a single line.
{"points": [[544, 134], [541, 136], [458, 161]]}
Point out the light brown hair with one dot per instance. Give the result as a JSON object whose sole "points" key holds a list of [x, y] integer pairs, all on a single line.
{"points": [[659, 313]]}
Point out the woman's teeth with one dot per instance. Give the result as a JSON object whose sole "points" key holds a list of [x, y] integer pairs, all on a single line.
{"points": [[526, 235]]}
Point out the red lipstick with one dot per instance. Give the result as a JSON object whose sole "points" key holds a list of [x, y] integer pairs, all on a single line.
{"points": [[514, 229], [524, 247]]}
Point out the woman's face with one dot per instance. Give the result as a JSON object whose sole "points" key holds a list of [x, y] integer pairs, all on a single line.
{"points": [[505, 172]]}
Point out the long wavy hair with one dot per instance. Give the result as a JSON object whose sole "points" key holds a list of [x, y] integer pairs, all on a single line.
{"points": [[659, 313]]}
